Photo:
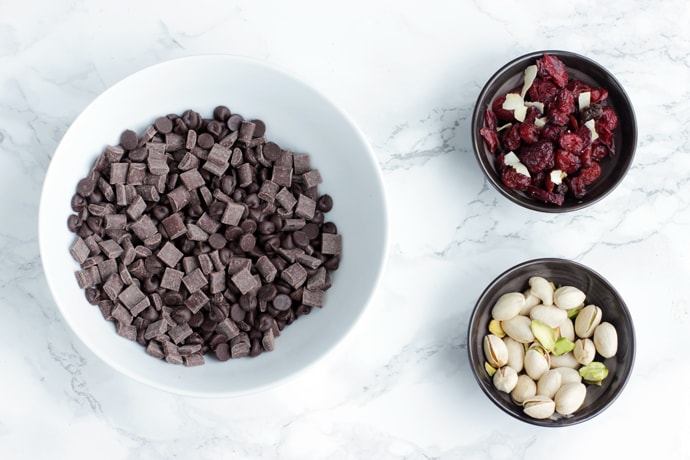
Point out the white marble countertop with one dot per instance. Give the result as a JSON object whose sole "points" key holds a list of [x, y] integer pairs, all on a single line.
{"points": [[408, 73]]}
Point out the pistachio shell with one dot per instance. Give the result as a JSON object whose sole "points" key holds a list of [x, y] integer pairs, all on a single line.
{"points": [[549, 315], [565, 360], [508, 306], [495, 351], [587, 320], [525, 388], [567, 297], [570, 398], [584, 351], [531, 301], [606, 339], [516, 353], [536, 363], [519, 329], [567, 329], [568, 375], [541, 288], [549, 383], [539, 407], [505, 379]]}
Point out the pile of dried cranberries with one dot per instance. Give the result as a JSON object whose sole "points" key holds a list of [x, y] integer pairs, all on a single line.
{"points": [[550, 134]]}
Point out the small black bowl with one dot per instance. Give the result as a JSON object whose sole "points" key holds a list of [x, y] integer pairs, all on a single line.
{"points": [[579, 67], [599, 292]]}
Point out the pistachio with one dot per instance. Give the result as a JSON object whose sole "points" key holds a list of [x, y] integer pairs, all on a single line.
{"points": [[549, 315], [567, 297], [531, 301], [584, 351], [508, 306], [519, 329], [539, 407], [587, 320], [542, 289], [495, 351], [496, 329], [567, 329], [546, 335], [594, 372], [568, 375], [565, 360], [505, 379], [562, 346], [572, 313], [536, 363], [490, 370], [570, 398], [549, 383], [606, 339], [525, 388], [516, 353]]}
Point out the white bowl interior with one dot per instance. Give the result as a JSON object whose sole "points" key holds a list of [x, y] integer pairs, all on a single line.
{"points": [[297, 117]]}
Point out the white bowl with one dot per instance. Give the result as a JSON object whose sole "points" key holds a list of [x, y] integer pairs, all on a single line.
{"points": [[298, 118]]}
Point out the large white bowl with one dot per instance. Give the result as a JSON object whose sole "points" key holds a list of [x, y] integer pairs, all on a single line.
{"points": [[298, 118]]}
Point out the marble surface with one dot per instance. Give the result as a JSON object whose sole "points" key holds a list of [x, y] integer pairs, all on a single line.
{"points": [[408, 73]]}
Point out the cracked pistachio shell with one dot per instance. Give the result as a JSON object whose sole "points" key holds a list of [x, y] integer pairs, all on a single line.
{"points": [[505, 379], [549, 315], [587, 320], [567, 329], [549, 383], [536, 363], [565, 360], [539, 407], [541, 288], [516, 353], [584, 351], [495, 351], [519, 328], [606, 339], [508, 306], [567, 297], [525, 388], [570, 398], [531, 301], [568, 375]]}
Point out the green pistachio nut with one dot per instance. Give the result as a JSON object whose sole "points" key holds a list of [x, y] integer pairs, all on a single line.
{"points": [[546, 335], [594, 372], [563, 345]]}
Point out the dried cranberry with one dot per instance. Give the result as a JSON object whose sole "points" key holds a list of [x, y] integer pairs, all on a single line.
{"points": [[490, 119], [547, 197], [528, 133], [585, 134], [553, 68], [598, 95], [514, 180], [491, 139], [566, 161], [511, 138], [558, 118], [537, 157], [586, 158], [573, 123], [590, 174], [500, 112], [572, 143], [564, 102], [577, 187], [542, 91], [608, 119], [578, 86], [551, 132], [538, 179], [599, 151]]}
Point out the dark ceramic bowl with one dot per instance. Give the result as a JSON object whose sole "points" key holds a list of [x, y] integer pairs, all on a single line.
{"points": [[599, 292], [579, 67]]}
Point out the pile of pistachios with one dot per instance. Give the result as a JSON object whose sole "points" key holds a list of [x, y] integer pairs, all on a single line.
{"points": [[545, 344]]}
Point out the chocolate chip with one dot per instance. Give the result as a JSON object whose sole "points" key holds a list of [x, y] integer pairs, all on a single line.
{"points": [[129, 139], [163, 125]]}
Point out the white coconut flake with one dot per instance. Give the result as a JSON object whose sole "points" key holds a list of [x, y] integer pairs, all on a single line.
{"points": [[516, 103], [584, 99], [501, 128], [539, 105], [541, 122], [592, 129], [530, 75], [557, 176], [513, 161]]}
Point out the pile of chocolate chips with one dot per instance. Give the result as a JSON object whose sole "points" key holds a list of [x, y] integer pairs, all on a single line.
{"points": [[199, 236]]}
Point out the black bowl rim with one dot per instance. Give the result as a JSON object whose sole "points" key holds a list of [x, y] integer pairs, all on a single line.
{"points": [[533, 204], [564, 422]]}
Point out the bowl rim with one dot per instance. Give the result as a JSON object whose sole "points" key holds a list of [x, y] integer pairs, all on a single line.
{"points": [[471, 349], [382, 260], [526, 202]]}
